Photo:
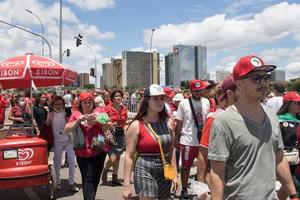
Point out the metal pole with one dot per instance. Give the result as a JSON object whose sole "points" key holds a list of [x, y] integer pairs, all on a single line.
{"points": [[95, 57], [28, 31], [60, 32], [41, 26], [150, 49]]}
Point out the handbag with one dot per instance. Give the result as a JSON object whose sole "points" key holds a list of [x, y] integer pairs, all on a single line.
{"points": [[292, 156], [169, 169], [79, 138]]}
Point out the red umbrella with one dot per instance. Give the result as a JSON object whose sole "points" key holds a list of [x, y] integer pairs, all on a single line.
{"points": [[18, 72]]}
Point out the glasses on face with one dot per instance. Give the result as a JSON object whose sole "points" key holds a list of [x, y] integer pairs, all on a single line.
{"points": [[257, 78], [158, 98]]}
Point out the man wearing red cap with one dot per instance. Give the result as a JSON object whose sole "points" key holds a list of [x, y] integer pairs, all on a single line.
{"points": [[246, 147], [190, 117]]}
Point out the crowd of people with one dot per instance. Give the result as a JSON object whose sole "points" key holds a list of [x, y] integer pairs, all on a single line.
{"points": [[242, 140]]}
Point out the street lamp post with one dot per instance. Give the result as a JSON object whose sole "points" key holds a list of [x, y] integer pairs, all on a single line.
{"points": [[150, 49], [41, 26], [28, 31]]}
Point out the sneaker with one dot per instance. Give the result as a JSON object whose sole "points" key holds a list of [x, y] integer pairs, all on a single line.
{"points": [[184, 194], [66, 165], [58, 187], [74, 188]]}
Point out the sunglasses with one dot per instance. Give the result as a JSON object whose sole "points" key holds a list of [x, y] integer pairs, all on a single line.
{"points": [[257, 78]]}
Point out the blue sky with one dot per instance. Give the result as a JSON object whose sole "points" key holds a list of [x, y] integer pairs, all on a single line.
{"points": [[229, 28]]}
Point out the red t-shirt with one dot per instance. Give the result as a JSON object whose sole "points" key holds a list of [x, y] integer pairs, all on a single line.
{"points": [[89, 132], [115, 116], [204, 142]]}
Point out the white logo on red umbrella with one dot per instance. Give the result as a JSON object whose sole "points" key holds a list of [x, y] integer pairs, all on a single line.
{"points": [[43, 63], [25, 154], [12, 64]]}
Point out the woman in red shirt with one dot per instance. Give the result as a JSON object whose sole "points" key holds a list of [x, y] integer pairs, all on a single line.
{"points": [[89, 160], [118, 116]]}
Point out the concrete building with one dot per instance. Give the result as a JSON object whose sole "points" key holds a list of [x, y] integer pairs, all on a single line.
{"points": [[185, 63], [136, 69], [278, 75], [169, 68], [220, 75], [82, 79]]}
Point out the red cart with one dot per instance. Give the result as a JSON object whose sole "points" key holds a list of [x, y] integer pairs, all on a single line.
{"points": [[24, 162]]}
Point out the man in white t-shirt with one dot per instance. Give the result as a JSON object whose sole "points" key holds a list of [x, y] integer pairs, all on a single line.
{"points": [[187, 132], [68, 102], [276, 102]]}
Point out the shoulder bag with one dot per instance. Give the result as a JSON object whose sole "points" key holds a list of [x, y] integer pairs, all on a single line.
{"points": [[199, 127], [169, 169]]}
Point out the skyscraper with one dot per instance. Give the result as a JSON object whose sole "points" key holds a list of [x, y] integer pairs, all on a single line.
{"points": [[220, 75], [278, 75], [136, 69], [187, 62]]}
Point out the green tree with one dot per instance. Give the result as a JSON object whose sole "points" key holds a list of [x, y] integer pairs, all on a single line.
{"points": [[89, 86]]}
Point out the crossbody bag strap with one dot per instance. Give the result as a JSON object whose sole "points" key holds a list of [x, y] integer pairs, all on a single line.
{"points": [[195, 118], [159, 142]]}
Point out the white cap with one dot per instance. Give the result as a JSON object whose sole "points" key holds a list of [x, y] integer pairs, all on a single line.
{"points": [[154, 90], [178, 97]]}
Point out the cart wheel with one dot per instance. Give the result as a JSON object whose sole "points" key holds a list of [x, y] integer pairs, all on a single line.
{"points": [[52, 185]]}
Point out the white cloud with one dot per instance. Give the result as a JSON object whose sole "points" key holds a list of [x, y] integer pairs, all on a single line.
{"points": [[220, 32], [17, 42], [292, 70], [93, 4]]}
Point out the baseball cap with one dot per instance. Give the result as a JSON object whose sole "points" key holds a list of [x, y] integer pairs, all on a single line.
{"points": [[178, 97], [249, 64], [86, 96], [154, 90], [168, 92], [197, 84], [291, 96], [227, 84]]}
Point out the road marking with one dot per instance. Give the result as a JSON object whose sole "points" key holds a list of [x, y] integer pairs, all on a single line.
{"points": [[31, 194]]}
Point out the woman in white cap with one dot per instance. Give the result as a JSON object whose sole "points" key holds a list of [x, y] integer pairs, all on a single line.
{"points": [[150, 122]]}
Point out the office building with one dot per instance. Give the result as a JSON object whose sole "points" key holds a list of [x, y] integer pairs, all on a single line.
{"points": [[136, 69], [220, 75], [83, 79], [185, 63], [278, 75]]}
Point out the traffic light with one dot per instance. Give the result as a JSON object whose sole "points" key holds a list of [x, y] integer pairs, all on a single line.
{"points": [[92, 72], [68, 52], [78, 40]]}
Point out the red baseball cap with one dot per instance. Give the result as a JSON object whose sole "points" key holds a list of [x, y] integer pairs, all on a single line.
{"points": [[227, 84], [197, 84], [249, 64], [168, 92], [86, 96], [291, 96]]}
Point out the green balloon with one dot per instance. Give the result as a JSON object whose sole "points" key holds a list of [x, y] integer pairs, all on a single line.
{"points": [[102, 118]]}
